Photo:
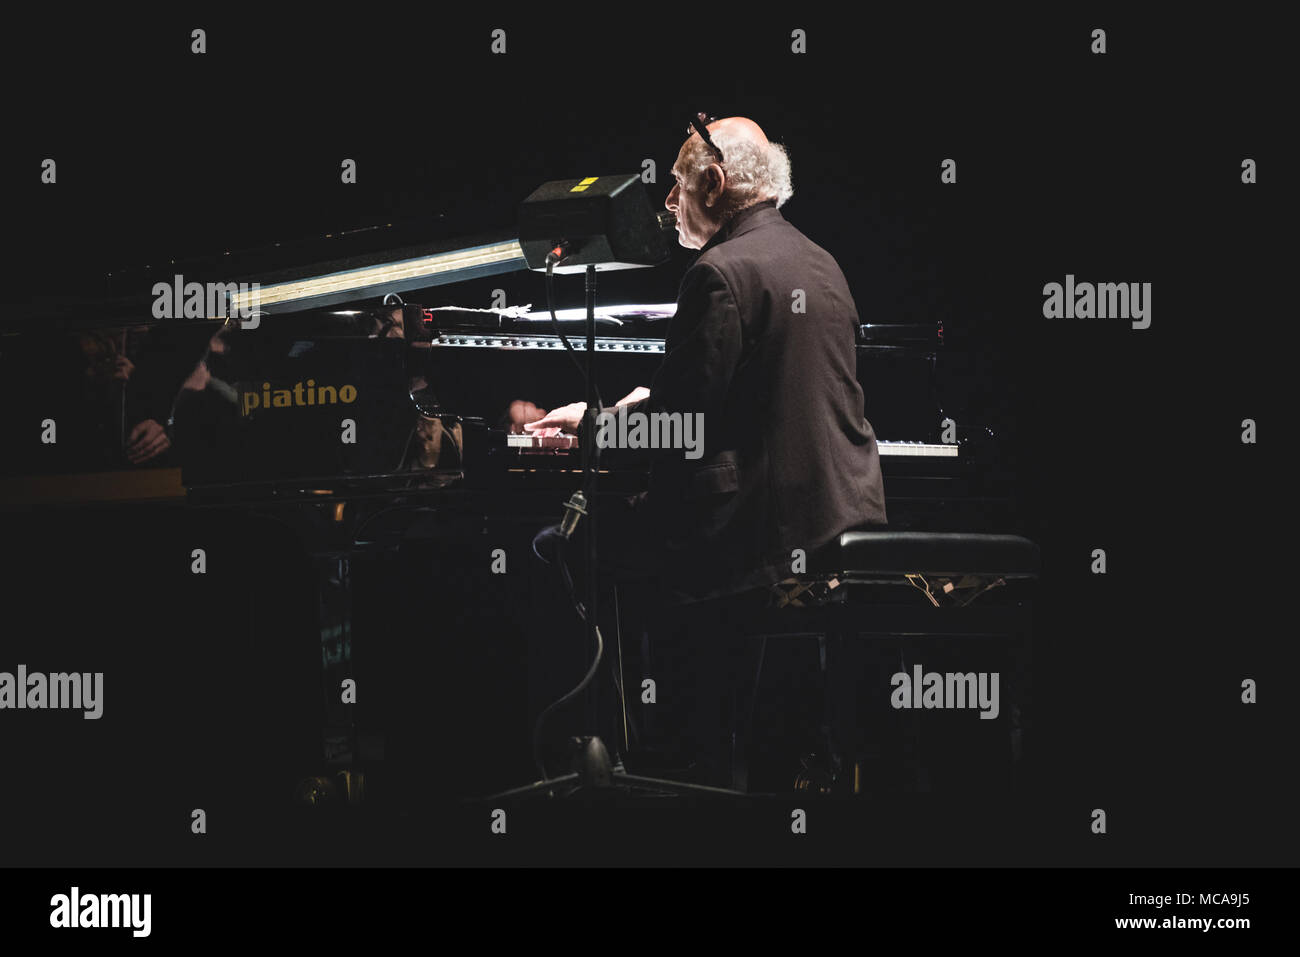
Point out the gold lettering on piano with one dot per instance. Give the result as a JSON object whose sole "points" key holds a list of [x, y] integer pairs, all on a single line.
{"points": [[298, 395]]}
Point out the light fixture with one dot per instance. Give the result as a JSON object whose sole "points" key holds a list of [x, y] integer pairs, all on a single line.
{"points": [[349, 285]]}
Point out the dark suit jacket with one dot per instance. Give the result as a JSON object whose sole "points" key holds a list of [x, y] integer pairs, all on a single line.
{"points": [[763, 344]]}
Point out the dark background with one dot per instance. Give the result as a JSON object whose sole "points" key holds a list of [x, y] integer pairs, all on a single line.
{"points": [[1123, 167]]}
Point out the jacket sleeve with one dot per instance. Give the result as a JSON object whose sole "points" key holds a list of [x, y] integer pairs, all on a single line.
{"points": [[702, 349]]}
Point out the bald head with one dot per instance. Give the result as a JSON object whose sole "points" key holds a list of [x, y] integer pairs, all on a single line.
{"points": [[708, 192], [738, 128]]}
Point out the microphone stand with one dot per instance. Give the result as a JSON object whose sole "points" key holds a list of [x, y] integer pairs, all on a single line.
{"points": [[590, 458], [592, 764]]}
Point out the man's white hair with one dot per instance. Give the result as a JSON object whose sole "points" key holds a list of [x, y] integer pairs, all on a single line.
{"points": [[753, 173]]}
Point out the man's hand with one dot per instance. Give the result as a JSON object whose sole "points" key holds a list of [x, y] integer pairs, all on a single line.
{"points": [[566, 418], [147, 439], [636, 395]]}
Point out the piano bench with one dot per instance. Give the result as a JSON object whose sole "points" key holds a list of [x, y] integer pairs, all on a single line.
{"points": [[951, 568], [864, 585], [870, 554]]}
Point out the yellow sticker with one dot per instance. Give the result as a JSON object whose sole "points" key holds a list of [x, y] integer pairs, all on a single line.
{"points": [[584, 184]]}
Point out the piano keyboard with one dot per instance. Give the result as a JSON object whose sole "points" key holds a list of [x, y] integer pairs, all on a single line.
{"points": [[541, 443], [918, 449]]}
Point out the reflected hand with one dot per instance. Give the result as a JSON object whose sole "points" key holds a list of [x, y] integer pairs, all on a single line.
{"points": [[198, 379], [147, 440], [522, 412]]}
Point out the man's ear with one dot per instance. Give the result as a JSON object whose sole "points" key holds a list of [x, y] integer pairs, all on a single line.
{"points": [[715, 184]]}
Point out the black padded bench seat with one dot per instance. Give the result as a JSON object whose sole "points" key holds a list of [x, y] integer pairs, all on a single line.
{"points": [[881, 551]]}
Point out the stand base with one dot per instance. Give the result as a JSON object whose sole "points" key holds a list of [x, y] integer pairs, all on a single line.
{"points": [[593, 774]]}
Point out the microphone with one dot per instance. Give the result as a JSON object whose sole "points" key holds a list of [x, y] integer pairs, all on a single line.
{"points": [[549, 541], [559, 253], [574, 509], [667, 221]]}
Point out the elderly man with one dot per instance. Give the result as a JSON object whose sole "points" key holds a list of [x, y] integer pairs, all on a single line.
{"points": [[763, 345]]}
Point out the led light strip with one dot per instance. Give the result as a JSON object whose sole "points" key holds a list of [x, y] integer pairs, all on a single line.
{"points": [[390, 277], [541, 343]]}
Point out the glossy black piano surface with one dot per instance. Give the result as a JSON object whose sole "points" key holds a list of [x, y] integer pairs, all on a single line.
{"points": [[370, 398]]}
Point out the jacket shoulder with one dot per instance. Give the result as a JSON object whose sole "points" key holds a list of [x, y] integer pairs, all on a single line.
{"points": [[774, 250]]}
